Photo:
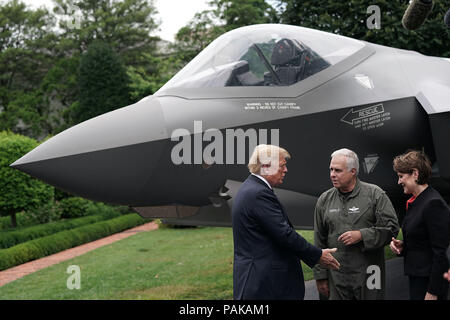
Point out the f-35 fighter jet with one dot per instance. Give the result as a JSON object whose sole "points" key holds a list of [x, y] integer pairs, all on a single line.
{"points": [[181, 153]]}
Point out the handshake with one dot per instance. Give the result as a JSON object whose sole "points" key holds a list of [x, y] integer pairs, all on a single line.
{"points": [[347, 238], [327, 260]]}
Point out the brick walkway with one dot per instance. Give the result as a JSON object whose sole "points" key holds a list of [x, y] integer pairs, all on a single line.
{"points": [[22, 270]]}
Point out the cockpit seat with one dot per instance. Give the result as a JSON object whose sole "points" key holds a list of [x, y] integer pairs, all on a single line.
{"points": [[242, 76], [288, 59]]}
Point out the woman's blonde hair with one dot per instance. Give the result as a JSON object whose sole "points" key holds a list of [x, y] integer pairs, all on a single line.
{"points": [[265, 154]]}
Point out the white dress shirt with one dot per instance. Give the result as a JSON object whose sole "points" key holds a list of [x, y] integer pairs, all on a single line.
{"points": [[263, 179]]}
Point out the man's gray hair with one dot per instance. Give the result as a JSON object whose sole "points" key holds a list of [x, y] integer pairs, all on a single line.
{"points": [[351, 157]]}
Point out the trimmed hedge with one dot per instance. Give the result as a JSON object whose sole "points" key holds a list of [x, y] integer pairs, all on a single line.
{"points": [[63, 240], [12, 238]]}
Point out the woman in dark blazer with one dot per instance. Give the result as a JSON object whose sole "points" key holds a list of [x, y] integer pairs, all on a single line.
{"points": [[425, 229]]}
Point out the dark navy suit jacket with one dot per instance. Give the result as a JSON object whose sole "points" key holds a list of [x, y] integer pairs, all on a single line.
{"points": [[267, 249]]}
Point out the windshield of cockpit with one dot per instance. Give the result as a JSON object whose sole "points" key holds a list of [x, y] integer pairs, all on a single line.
{"points": [[264, 55]]}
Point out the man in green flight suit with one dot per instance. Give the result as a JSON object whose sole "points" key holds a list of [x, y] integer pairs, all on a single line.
{"points": [[357, 218]]}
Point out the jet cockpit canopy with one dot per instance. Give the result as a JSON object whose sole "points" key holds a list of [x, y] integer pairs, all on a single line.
{"points": [[264, 55]]}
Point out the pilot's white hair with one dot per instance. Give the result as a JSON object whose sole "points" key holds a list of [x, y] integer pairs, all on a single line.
{"points": [[266, 154], [350, 156]]}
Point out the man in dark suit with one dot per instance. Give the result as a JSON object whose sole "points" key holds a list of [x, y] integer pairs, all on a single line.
{"points": [[267, 249]]}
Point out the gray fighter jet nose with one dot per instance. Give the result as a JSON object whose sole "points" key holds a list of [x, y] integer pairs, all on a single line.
{"points": [[109, 158]]}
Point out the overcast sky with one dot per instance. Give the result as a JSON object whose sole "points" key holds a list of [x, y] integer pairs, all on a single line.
{"points": [[173, 14]]}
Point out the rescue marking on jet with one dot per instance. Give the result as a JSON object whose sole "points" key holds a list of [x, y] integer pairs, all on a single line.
{"points": [[368, 118], [352, 116]]}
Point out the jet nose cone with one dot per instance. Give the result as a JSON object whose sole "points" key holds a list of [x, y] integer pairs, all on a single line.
{"points": [[108, 158]]}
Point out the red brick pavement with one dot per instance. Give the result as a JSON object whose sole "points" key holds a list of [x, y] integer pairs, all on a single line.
{"points": [[22, 270]]}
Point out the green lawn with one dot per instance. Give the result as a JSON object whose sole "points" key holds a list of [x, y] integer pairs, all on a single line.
{"points": [[161, 264]]}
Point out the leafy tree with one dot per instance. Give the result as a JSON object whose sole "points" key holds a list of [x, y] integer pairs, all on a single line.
{"points": [[19, 191], [348, 18], [39, 63], [61, 81], [103, 83], [125, 25], [197, 34], [239, 13], [224, 16], [26, 40], [146, 80]]}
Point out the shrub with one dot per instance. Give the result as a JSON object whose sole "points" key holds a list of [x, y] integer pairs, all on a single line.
{"points": [[123, 209], [95, 208], [44, 214], [59, 194], [63, 240], [74, 207], [19, 191]]}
